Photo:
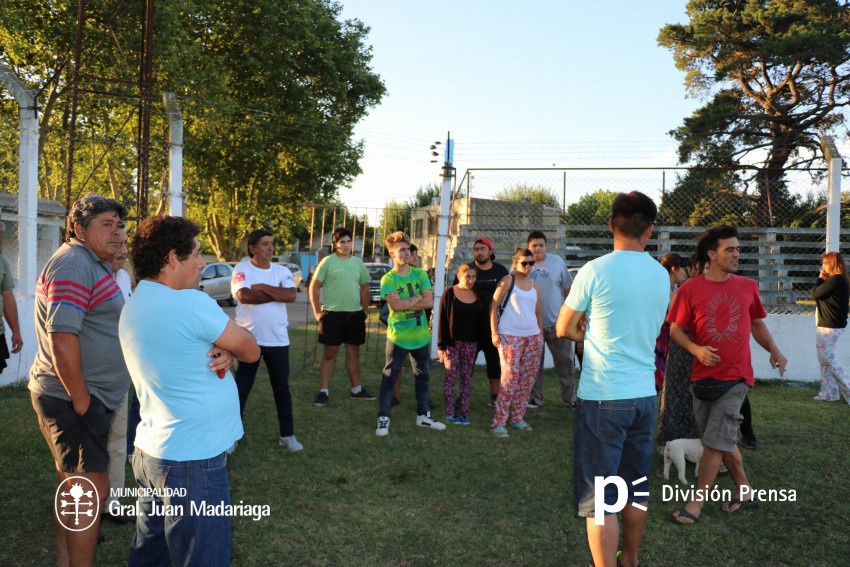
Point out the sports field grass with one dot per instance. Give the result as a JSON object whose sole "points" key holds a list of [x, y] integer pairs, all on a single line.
{"points": [[458, 497]]}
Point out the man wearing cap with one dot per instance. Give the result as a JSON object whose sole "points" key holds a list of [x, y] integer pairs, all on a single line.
{"points": [[489, 275]]}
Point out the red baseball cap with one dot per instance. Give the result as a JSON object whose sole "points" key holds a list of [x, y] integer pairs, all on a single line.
{"points": [[485, 241]]}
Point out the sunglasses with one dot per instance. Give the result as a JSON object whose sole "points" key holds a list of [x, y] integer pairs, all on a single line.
{"points": [[525, 264]]}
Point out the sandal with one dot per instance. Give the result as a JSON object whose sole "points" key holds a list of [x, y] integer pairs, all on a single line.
{"points": [[683, 513]]}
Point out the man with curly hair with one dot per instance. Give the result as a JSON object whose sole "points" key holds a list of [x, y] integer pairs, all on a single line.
{"points": [[189, 417]]}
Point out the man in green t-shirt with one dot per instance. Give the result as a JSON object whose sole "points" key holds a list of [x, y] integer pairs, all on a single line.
{"points": [[407, 290], [344, 282]]}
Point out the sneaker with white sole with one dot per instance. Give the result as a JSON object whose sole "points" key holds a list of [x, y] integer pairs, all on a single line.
{"points": [[499, 432], [383, 427], [453, 419], [427, 421], [290, 443]]}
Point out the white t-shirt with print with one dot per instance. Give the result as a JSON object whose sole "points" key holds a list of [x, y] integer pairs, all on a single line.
{"points": [[267, 321]]}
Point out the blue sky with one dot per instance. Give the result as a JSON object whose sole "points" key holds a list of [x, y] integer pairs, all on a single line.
{"points": [[518, 84]]}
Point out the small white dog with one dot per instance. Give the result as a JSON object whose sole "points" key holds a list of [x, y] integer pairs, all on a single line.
{"points": [[676, 451]]}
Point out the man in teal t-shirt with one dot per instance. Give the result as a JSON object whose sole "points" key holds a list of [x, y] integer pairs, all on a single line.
{"points": [[344, 282], [407, 290]]}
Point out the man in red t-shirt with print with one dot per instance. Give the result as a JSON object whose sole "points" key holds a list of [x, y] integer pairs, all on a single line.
{"points": [[720, 310]]}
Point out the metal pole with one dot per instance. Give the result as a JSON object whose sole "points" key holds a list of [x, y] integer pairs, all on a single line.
{"points": [[322, 237], [175, 154], [565, 192], [363, 247], [442, 235], [374, 241], [833, 205], [312, 230]]}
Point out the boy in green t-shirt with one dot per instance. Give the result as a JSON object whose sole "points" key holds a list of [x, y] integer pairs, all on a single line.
{"points": [[407, 290], [344, 284]]}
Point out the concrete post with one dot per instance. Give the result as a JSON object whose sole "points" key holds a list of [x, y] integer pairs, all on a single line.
{"points": [[27, 219], [442, 239], [175, 154], [833, 202]]}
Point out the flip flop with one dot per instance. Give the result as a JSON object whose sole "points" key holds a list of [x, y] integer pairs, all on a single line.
{"points": [[741, 505], [683, 513]]}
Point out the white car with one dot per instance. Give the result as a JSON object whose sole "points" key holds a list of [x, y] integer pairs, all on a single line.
{"points": [[297, 276], [215, 282]]}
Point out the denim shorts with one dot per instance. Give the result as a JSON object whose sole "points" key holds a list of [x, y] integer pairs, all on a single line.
{"points": [[612, 438], [169, 529]]}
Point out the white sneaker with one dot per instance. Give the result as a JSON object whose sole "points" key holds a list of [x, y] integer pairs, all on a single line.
{"points": [[290, 443], [426, 421], [383, 427]]}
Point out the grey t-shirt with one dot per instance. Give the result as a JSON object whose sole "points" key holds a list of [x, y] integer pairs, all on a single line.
{"points": [[76, 294], [7, 282], [553, 278]]}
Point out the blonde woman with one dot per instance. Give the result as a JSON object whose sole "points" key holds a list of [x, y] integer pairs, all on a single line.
{"points": [[518, 334], [831, 293]]}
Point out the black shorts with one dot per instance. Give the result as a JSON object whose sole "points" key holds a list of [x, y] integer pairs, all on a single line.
{"points": [[342, 327], [77, 442]]}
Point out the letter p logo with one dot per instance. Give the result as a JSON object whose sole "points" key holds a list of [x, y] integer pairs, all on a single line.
{"points": [[599, 509], [599, 506]]}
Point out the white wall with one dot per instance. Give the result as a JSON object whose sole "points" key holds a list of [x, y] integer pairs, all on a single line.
{"points": [[795, 336]]}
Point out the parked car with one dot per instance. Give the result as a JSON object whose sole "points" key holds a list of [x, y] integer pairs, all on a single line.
{"points": [[297, 276], [376, 272], [215, 282]]}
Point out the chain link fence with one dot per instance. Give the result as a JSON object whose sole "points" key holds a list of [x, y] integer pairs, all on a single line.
{"points": [[781, 219], [686, 197]]}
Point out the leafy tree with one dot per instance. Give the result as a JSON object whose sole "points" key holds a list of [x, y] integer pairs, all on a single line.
{"points": [[774, 74], [395, 216], [270, 92], [591, 209], [425, 195], [704, 197], [535, 194]]}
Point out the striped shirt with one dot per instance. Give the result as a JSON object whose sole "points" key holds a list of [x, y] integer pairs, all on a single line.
{"points": [[77, 294]]}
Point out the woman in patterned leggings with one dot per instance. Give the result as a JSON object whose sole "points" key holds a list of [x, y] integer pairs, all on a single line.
{"points": [[518, 334], [831, 294], [457, 341]]}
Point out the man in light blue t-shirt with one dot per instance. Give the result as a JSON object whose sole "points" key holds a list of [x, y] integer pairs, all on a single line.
{"points": [[616, 306], [189, 415]]}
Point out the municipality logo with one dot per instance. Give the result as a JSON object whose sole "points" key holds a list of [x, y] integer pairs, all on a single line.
{"points": [[600, 507], [77, 503]]}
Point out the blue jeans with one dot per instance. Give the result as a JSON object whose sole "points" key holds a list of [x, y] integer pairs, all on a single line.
{"points": [[420, 359], [277, 363], [168, 530], [612, 438]]}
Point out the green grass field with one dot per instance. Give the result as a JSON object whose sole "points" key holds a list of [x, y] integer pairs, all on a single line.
{"points": [[458, 497]]}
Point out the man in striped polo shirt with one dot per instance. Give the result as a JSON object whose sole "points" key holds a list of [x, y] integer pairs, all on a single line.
{"points": [[79, 376]]}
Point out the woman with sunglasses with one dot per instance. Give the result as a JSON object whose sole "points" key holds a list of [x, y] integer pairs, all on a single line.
{"points": [[516, 323]]}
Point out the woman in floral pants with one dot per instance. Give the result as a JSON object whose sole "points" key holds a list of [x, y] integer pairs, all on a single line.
{"points": [[518, 335], [831, 294], [457, 341]]}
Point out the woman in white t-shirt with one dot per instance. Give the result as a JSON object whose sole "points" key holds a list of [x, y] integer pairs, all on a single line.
{"points": [[518, 334]]}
